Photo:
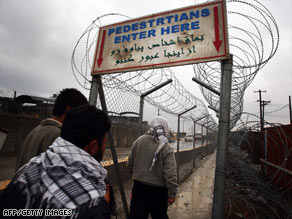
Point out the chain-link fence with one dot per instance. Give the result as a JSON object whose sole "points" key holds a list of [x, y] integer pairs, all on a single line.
{"points": [[196, 139], [250, 187], [193, 140]]}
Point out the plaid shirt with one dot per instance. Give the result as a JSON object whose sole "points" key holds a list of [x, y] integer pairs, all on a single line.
{"points": [[64, 176]]}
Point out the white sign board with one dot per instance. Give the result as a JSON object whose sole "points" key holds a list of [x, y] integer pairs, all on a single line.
{"points": [[183, 36]]}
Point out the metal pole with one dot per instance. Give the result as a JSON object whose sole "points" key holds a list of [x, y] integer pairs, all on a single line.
{"points": [[206, 86], [93, 91], [207, 136], [157, 87], [177, 147], [194, 145], [261, 112], [207, 141], [202, 133], [112, 147], [201, 118], [177, 139], [290, 109], [264, 103], [223, 135], [142, 96], [141, 114]]}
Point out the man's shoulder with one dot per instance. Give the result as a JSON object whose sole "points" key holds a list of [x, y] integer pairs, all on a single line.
{"points": [[47, 126], [50, 122], [37, 141], [43, 131], [145, 137]]}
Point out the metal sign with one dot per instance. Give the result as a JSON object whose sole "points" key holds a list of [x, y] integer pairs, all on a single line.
{"points": [[183, 36]]}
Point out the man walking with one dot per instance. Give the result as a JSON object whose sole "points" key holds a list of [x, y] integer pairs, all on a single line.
{"points": [[41, 137], [153, 168], [68, 176]]}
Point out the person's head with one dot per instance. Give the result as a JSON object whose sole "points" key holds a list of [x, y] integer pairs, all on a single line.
{"points": [[67, 99], [86, 127], [160, 123]]}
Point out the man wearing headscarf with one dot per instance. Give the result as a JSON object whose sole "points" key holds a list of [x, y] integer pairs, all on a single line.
{"points": [[152, 166]]}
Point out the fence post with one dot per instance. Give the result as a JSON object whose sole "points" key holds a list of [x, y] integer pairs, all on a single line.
{"points": [[142, 96], [93, 91], [223, 136], [207, 136], [177, 147], [202, 134], [194, 145], [177, 139], [290, 109], [112, 147], [207, 140], [141, 109]]}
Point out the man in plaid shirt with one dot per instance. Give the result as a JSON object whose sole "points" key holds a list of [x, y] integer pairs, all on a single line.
{"points": [[68, 175]]}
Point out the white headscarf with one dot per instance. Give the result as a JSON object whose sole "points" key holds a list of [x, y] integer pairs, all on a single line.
{"points": [[159, 131]]}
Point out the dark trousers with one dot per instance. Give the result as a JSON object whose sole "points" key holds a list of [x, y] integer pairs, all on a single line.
{"points": [[148, 199]]}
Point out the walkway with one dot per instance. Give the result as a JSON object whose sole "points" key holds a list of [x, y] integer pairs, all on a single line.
{"points": [[196, 193]]}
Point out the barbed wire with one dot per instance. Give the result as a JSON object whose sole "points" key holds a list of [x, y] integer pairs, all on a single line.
{"points": [[260, 190], [253, 40]]}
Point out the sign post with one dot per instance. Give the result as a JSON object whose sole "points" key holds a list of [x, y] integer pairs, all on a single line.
{"points": [[222, 139], [178, 37], [94, 91], [99, 86]]}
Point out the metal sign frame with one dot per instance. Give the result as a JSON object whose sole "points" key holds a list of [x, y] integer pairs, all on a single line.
{"points": [[188, 35]]}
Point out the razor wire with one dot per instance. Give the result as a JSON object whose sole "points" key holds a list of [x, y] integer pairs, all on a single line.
{"points": [[253, 41], [250, 195], [122, 93], [259, 177]]}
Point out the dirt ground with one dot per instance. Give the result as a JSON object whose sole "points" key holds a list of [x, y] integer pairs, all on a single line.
{"points": [[195, 195]]}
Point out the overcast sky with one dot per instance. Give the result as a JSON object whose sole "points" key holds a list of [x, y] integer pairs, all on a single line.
{"points": [[37, 38]]}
